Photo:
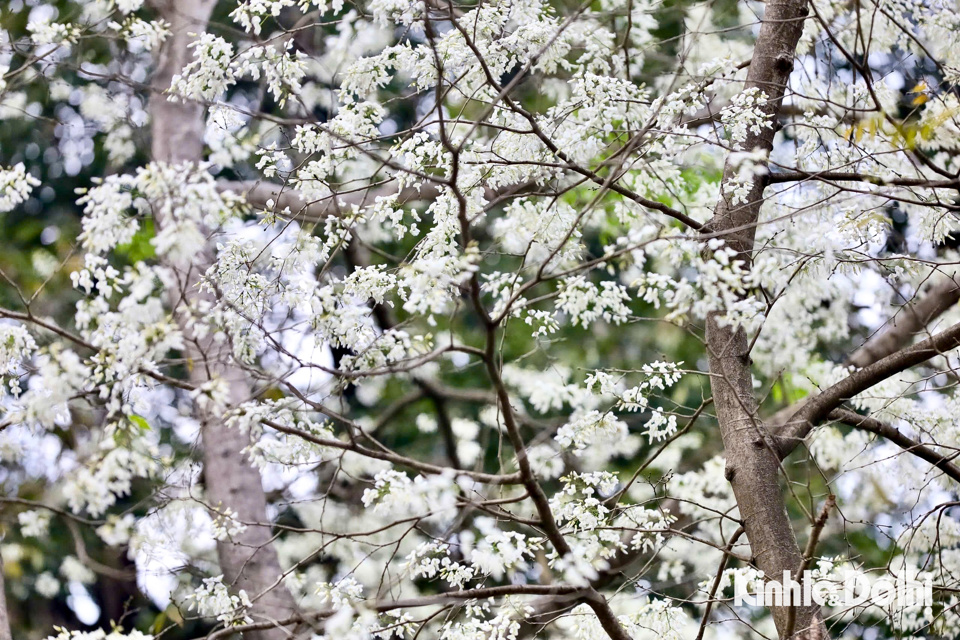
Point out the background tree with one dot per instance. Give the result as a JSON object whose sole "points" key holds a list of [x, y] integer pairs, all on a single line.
{"points": [[475, 320]]}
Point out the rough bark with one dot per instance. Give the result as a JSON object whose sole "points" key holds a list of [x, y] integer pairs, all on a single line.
{"points": [[753, 467], [177, 127], [248, 561]]}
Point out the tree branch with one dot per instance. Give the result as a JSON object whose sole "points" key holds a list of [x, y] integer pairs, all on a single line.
{"points": [[842, 176], [894, 435], [818, 526], [716, 582], [753, 467], [911, 319], [819, 407], [408, 603], [908, 321], [259, 194]]}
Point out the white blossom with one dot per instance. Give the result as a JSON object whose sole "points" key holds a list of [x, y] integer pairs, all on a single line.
{"points": [[213, 599], [15, 186], [34, 523]]}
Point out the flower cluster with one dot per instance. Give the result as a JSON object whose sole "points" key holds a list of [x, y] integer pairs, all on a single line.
{"points": [[15, 186], [213, 599]]}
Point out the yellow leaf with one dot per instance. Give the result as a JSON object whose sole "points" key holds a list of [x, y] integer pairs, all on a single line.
{"points": [[273, 393], [158, 623], [920, 99], [174, 614], [920, 87], [13, 570], [942, 117], [910, 136]]}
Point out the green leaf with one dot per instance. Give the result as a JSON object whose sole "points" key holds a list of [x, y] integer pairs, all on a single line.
{"points": [[140, 422]]}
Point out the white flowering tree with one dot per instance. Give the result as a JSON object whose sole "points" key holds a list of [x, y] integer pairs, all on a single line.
{"points": [[478, 320]]}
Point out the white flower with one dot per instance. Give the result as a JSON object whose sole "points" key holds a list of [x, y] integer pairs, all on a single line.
{"points": [[575, 570], [281, 66], [500, 551], [744, 116], [538, 230], [426, 423], [660, 426], [117, 530], [592, 428], [129, 6], [212, 396], [431, 559], [213, 599], [250, 14], [148, 35], [15, 186], [57, 33], [16, 345], [226, 525], [34, 524], [586, 303], [345, 592], [115, 634], [47, 585], [105, 222], [75, 571], [395, 493], [546, 461], [210, 73]]}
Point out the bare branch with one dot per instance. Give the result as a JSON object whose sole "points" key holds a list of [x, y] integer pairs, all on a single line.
{"points": [[815, 409], [910, 320], [891, 433]]}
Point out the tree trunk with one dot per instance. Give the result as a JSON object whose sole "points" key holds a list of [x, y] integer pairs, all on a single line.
{"points": [[248, 561], [4, 616], [753, 468]]}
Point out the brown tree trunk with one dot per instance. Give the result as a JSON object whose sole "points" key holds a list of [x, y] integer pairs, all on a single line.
{"points": [[753, 468], [248, 561], [4, 617]]}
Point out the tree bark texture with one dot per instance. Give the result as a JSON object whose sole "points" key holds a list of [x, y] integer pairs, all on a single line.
{"points": [[249, 560], [753, 467]]}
